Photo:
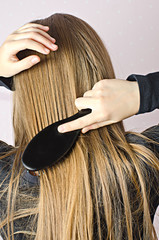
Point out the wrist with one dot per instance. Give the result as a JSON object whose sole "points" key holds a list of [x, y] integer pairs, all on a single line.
{"points": [[135, 97]]}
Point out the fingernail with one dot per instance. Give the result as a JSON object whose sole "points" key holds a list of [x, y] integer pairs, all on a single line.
{"points": [[35, 60], [61, 129], [46, 50], [53, 46], [53, 39]]}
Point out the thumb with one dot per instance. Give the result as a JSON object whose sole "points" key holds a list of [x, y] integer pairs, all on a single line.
{"points": [[26, 63]]}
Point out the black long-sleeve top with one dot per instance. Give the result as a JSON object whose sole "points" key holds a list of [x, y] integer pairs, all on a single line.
{"points": [[149, 100]]}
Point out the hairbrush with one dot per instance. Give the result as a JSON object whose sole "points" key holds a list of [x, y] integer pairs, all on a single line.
{"points": [[49, 146]]}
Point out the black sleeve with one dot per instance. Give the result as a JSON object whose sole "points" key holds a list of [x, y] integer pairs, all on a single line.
{"points": [[6, 82], [149, 91]]}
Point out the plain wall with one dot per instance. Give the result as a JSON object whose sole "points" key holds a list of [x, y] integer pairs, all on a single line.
{"points": [[129, 29]]}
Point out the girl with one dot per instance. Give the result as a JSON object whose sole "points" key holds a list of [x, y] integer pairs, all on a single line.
{"points": [[108, 186]]}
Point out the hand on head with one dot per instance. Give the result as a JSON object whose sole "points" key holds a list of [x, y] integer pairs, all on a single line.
{"points": [[30, 36]]}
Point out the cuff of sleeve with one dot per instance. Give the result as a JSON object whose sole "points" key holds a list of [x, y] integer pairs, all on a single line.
{"points": [[149, 89], [7, 83]]}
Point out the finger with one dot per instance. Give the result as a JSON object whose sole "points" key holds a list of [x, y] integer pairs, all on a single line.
{"points": [[38, 37], [22, 44], [19, 31], [89, 93], [97, 125], [36, 25], [81, 103], [100, 84], [86, 129], [26, 63], [78, 123], [35, 30], [95, 92], [86, 102]]}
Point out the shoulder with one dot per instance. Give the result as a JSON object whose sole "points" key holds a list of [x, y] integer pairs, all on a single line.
{"points": [[152, 179], [4, 147], [7, 155], [6, 159], [152, 133]]}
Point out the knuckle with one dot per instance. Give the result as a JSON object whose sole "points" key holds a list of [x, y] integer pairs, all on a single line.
{"points": [[77, 100], [31, 34], [25, 25], [99, 92], [86, 93], [104, 113], [32, 28], [101, 101], [99, 83], [28, 24], [103, 110], [102, 83], [6, 45], [27, 41], [95, 85], [10, 36]]}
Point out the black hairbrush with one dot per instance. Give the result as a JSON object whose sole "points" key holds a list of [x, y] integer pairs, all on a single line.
{"points": [[49, 146]]}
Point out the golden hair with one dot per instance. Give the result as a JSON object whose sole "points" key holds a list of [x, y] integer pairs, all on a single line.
{"points": [[101, 190]]}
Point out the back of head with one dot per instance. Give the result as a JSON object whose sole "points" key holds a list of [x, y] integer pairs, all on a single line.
{"points": [[47, 92], [86, 196]]}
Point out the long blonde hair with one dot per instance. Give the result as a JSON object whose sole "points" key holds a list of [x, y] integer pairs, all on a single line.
{"points": [[101, 190]]}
